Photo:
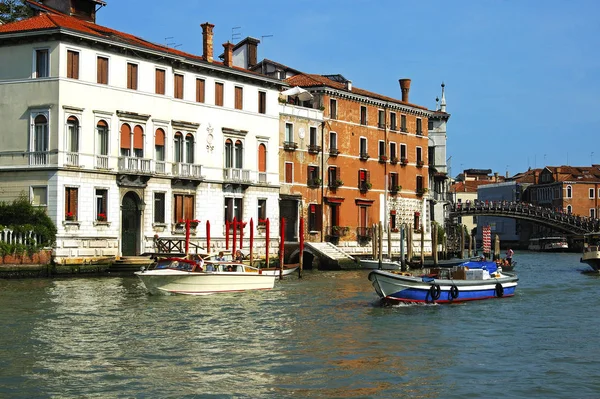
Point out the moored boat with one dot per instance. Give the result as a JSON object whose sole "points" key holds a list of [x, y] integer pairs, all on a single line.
{"points": [[548, 244], [196, 277], [386, 264], [470, 281]]}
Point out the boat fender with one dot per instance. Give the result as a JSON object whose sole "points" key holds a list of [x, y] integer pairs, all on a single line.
{"points": [[499, 290], [454, 291], [434, 292]]}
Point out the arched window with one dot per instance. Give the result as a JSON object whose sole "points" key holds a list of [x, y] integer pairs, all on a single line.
{"points": [[102, 137], [159, 144], [138, 141], [569, 192], [178, 147], [189, 148], [125, 139], [72, 134], [228, 153], [569, 209], [262, 158], [40, 134], [239, 154]]}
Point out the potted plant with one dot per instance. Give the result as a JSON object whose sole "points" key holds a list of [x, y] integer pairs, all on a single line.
{"points": [[101, 217], [69, 216], [339, 182], [394, 160]]}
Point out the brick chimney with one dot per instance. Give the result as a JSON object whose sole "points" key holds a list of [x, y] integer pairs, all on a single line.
{"points": [[207, 41], [252, 47], [228, 58], [405, 87]]}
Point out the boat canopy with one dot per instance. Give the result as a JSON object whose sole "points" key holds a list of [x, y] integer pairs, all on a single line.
{"points": [[490, 266]]}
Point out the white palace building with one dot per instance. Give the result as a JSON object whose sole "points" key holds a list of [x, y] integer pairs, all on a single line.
{"points": [[120, 139]]}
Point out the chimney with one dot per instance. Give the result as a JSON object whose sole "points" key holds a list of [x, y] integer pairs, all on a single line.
{"points": [[207, 41], [349, 85], [228, 59], [252, 48], [82, 9], [405, 87]]}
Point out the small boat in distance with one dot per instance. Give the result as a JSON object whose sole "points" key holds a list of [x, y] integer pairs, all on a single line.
{"points": [[470, 281], [548, 244]]}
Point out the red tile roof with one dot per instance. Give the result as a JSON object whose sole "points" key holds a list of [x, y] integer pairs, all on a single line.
{"points": [[470, 186], [312, 80]]}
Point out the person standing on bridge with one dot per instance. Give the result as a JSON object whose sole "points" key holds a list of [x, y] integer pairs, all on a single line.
{"points": [[509, 255]]}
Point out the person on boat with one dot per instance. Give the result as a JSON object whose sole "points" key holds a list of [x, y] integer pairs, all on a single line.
{"points": [[198, 265], [239, 256], [220, 257], [509, 255], [229, 268]]}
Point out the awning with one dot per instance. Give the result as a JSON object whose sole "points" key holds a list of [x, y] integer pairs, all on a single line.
{"points": [[297, 92]]}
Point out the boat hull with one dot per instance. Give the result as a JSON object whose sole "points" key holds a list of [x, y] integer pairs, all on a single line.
{"points": [[373, 264], [591, 258], [398, 288], [275, 271], [170, 281]]}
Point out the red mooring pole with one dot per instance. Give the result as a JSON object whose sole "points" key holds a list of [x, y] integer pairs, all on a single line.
{"points": [[251, 242], [267, 232], [281, 248], [233, 240], [208, 236], [301, 247], [241, 224], [226, 235], [187, 237]]}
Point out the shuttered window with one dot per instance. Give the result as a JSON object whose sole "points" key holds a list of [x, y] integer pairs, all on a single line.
{"points": [[125, 139], [184, 207], [138, 141], [200, 87], [159, 144], [289, 172], [132, 76], [239, 98], [314, 217], [262, 102], [71, 203], [219, 94], [178, 89], [72, 64], [262, 158], [102, 70], [160, 81]]}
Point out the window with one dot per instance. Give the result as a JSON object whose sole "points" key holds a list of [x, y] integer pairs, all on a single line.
{"points": [[228, 153], [39, 196], [132, 76], [419, 126], [289, 133], [394, 182], [262, 211], [189, 148], [239, 154], [159, 144], [381, 148], [102, 138], [333, 176], [178, 86], [333, 142], [239, 97], [403, 123], [429, 124], [102, 70], [363, 147], [393, 154], [569, 209], [289, 172], [138, 141], [70, 203], [419, 156], [262, 102], [183, 208], [159, 207], [101, 205], [233, 209], [314, 217], [42, 64], [313, 136], [381, 119], [393, 121], [262, 158], [420, 184], [363, 115], [159, 81], [40, 136], [72, 64], [200, 90], [363, 176], [332, 108], [569, 192], [313, 176], [72, 135], [219, 94], [592, 212], [403, 154], [592, 192], [178, 147]]}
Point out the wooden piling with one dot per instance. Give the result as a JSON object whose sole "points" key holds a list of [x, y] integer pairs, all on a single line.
{"points": [[301, 248], [434, 243], [281, 248], [462, 241], [389, 241], [496, 247], [422, 245], [470, 254], [380, 244]]}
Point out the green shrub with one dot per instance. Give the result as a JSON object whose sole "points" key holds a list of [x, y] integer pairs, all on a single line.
{"points": [[21, 217]]}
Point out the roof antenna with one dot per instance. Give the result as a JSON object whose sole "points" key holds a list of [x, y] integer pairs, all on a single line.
{"points": [[262, 37], [235, 35]]}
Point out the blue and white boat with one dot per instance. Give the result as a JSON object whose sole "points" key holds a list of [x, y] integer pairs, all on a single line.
{"points": [[469, 281]]}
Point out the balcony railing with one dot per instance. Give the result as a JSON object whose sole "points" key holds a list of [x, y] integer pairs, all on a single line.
{"points": [[363, 156], [334, 152], [363, 233], [160, 167], [236, 175], [262, 177], [290, 145], [314, 182], [187, 170], [38, 158], [72, 159], [102, 161], [134, 164], [314, 149]]}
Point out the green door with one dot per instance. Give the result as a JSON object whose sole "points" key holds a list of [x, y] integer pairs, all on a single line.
{"points": [[130, 225]]}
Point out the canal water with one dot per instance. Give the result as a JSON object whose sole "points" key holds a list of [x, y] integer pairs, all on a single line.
{"points": [[322, 336]]}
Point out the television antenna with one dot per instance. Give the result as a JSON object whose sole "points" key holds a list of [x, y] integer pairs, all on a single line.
{"points": [[234, 34]]}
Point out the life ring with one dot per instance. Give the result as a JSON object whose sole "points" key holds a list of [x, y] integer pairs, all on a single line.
{"points": [[499, 290], [434, 292], [453, 291]]}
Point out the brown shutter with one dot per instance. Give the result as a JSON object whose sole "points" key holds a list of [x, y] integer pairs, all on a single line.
{"points": [[125, 136], [188, 207], [72, 64], [138, 137], [262, 158], [219, 94], [132, 76], [288, 172], [159, 138], [178, 207], [200, 90], [102, 70], [178, 86], [338, 173], [262, 102], [239, 97], [160, 81], [318, 216], [102, 123], [368, 178]]}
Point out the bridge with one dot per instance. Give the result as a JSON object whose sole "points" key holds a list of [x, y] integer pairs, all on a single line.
{"points": [[567, 223]]}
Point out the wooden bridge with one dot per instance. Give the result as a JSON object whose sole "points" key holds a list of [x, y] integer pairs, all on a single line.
{"points": [[568, 223]]}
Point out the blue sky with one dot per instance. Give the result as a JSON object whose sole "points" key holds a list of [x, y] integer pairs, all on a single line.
{"points": [[521, 76]]}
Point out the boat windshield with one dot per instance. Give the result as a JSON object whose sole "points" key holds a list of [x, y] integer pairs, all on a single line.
{"points": [[175, 263]]}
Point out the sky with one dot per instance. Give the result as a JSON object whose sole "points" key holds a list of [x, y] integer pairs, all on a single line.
{"points": [[519, 74]]}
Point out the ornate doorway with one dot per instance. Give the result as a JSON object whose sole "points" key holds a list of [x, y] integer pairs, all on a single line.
{"points": [[130, 224]]}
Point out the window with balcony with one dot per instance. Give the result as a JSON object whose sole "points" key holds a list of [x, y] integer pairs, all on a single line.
{"points": [[332, 108], [262, 102], [289, 144], [403, 154], [71, 194], [239, 98], [178, 147], [364, 181], [102, 144], [313, 140], [393, 154], [40, 135], [101, 205], [102, 70], [403, 126], [189, 148], [363, 151], [363, 115], [333, 147], [159, 81], [219, 89], [262, 163], [393, 122], [419, 126], [233, 209], [381, 119], [233, 154], [334, 177], [159, 145], [420, 187], [72, 64], [314, 217], [200, 90], [394, 183], [159, 207], [42, 63], [72, 137], [313, 176], [381, 151], [125, 140], [419, 156], [132, 76], [178, 86], [183, 207], [138, 141]]}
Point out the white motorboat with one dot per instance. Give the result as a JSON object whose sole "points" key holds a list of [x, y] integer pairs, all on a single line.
{"points": [[548, 244], [591, 251], [386, 264], [196, 277]]}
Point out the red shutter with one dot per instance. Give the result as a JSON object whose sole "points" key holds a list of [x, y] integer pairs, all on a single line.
{"points": [[138, 137], [219, 94], [262, 158], [102, 70], [159, 139], [125, 136], [289, 172]]}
